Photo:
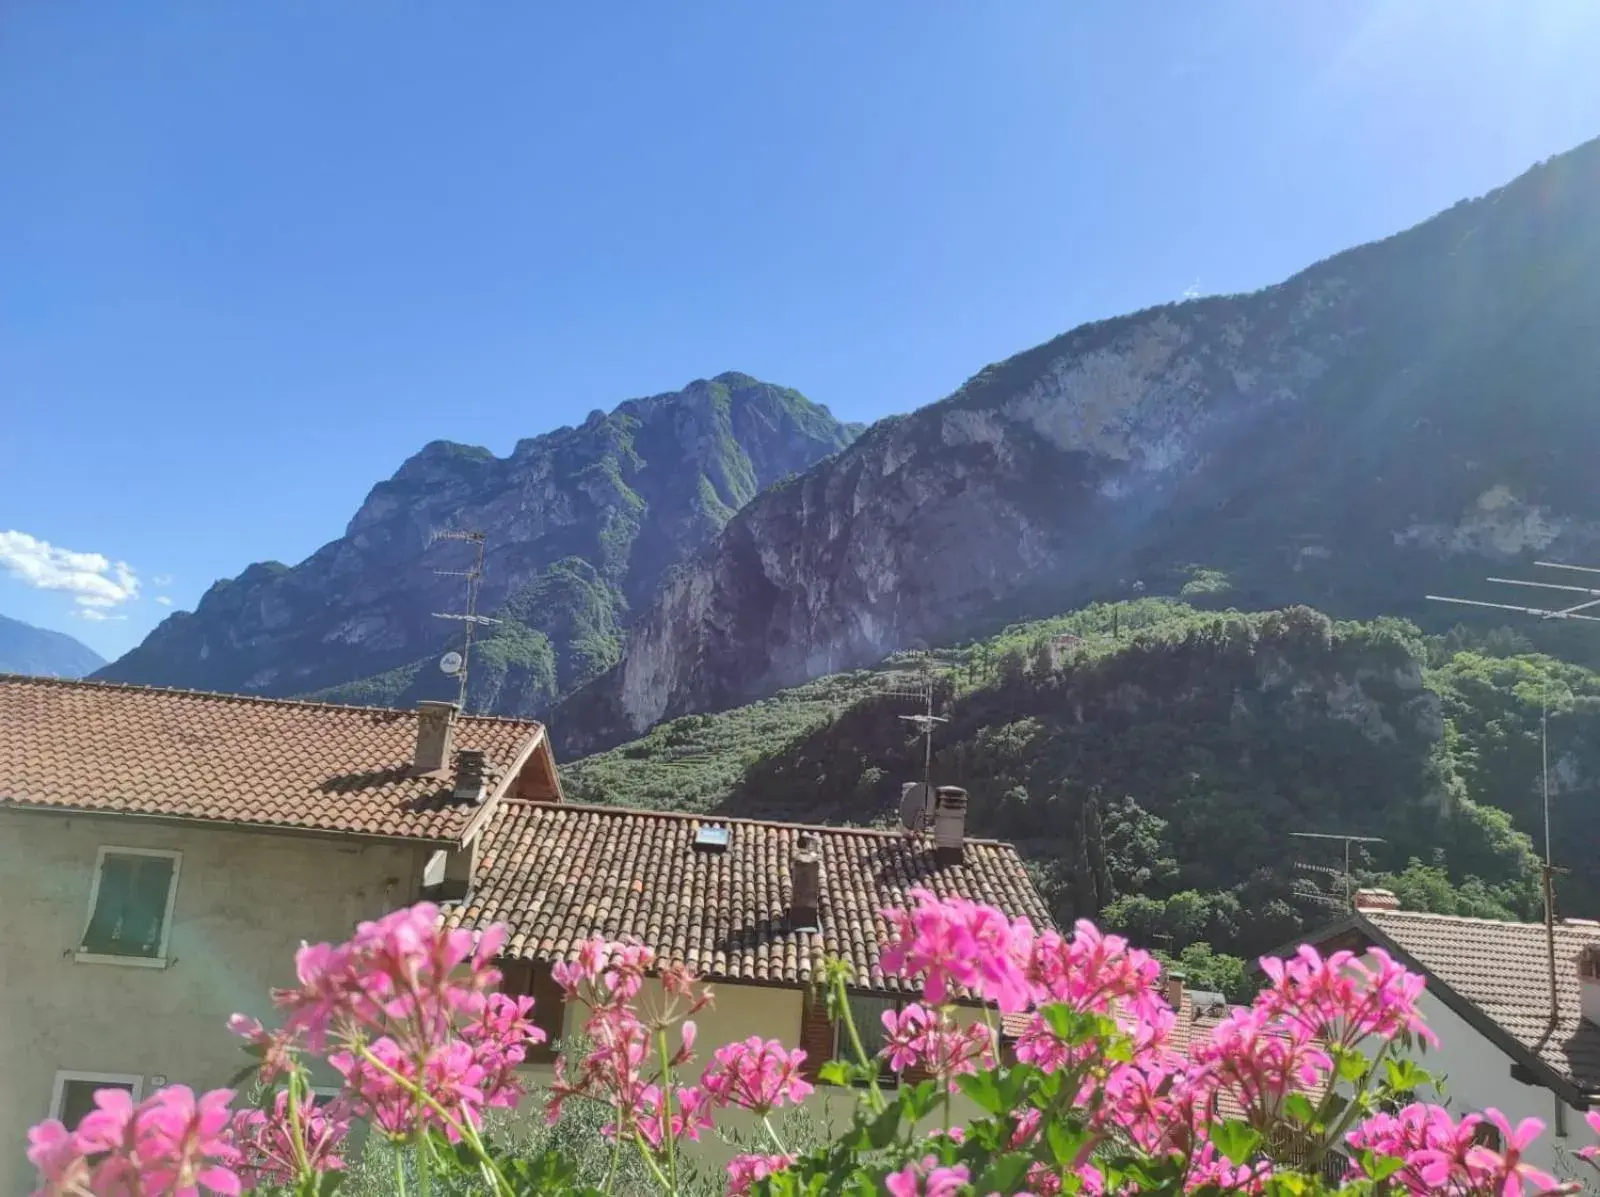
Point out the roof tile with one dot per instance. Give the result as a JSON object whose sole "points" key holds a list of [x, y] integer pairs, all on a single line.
{"points": [[95, 747], [1504, 970], [559, 874]]}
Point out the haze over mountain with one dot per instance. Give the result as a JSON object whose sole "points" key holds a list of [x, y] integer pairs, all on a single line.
{"points": [[27, 649], [1389, 422]]}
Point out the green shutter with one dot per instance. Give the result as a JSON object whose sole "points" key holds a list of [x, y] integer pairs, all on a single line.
{"points": [[111, 899], [130, 906], [147, 905]]}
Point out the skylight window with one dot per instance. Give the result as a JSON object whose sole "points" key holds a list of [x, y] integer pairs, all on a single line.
{"points": [[711, 838]]}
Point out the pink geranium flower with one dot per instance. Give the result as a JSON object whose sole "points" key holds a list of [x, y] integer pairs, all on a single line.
{"points": [[927, 1179], [758, 1075]]}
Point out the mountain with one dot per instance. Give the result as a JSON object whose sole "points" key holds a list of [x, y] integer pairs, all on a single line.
{"points": [[27, 649], [1397, 420], [581, 524], [1152, 760]]}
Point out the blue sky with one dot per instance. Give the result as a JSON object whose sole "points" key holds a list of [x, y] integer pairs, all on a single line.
{"points": [[255, 255]]}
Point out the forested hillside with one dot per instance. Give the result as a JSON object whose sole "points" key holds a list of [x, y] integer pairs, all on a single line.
{"points": [[1152, 760]]}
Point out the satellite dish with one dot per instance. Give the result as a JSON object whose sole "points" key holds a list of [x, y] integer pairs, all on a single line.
{"points": [[450, 663], [916, 806]]}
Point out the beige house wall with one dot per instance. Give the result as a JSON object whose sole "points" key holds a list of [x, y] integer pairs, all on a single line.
{"points": [[244, 902], [1477, 1076], [738, 1012]]}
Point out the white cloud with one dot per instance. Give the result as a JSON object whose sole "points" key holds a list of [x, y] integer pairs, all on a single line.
{"points": [[161, 580], [1192, 291], [93, 615], [163, 600], [95, 582]]}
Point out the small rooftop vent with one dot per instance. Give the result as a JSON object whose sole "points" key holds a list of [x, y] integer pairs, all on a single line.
{"points": [[711, 837], [470, 766]]}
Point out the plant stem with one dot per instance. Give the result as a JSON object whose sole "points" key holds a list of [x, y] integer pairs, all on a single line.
{"points": [[666, 1107], [877, 1102], [650, 1160], [399, 1171], [766, 1121], [616, 1149], [423, 1150], [1351, 1109], [296, 1131], [465, 1129]]}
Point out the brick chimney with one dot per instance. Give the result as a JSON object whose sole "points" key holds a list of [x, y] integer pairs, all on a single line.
{"points": [[1589, 982], [949, 824], [1172, 988], [1376, 899], [805, 875], [436, 729], [469, 775]]}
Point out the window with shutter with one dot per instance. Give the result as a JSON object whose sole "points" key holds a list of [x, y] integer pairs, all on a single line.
{"points": [[867, 1011], [522, 978], [130, 907]]}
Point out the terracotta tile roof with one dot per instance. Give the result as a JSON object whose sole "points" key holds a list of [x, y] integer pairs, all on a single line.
{"points": [[136, 750], [1503, 969], [559, 874]]}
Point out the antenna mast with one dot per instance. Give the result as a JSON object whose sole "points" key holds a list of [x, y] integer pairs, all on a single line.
{"points": [[1591, 600], [471, 618], [1347, 840], [925, 721]]}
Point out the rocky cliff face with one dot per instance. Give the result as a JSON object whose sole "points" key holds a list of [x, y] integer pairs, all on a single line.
{"points": [[1373, 429], [581, 525]]}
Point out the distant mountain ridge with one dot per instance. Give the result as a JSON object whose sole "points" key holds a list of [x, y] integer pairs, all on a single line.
{"points": [[1384, 424], [581, 524], [39, 651]]}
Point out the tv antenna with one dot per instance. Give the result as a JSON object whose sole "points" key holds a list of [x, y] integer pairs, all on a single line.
{"points": [[456, 664], [1317, 894], [1549, 871], [1578, 610], [916, 798]]}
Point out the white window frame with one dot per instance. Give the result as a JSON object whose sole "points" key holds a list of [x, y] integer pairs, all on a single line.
{"points": [[58, 1091], [159, 960]]}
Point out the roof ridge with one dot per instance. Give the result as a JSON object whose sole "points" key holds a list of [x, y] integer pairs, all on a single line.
{"points": [[601, 809], [229, 696], [1475, 920]]}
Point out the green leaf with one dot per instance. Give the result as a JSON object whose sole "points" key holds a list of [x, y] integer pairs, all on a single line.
{"points": [[983, 1088], [835, 1072], [1380, 1167], [1352, 1065], [917, 1101], [883, 1128], [1235, 1140], [1004, 1174], [1066, 1141], [1298, 1107]]}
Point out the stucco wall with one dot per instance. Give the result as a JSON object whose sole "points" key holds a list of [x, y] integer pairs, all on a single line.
{"points": [[1477, 1076], [244, 902], [738, 1012]]}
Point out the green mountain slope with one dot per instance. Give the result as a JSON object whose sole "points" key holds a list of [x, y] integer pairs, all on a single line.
{"points": [[1400, 419], [1152, 760], [581, 524]]}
